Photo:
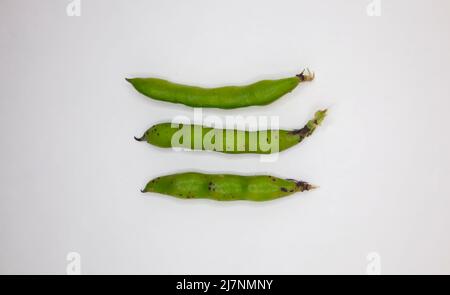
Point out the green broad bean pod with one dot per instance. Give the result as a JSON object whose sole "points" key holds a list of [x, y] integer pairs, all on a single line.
{"points": [[225, 187], [196, 137], [229, 97]]}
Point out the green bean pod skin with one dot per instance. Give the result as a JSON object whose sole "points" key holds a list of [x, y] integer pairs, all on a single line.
{"points": [[161, 135], [225, 187], [229, 97]]}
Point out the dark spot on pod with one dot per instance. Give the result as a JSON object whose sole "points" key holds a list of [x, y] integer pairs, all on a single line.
{"points": [[291, 191], [157, 133], [283, 189]]}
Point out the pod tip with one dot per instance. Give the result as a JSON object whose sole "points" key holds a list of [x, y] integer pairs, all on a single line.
{"points": [[320, 115], [304, 186], [140, 138], [306, 75], [312, 186]]}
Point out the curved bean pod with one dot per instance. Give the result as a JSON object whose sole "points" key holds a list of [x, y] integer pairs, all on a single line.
{"points": [[229, 141], [228, 97], [225, 187]]}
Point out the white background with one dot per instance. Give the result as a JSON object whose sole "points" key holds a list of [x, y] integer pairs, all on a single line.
{"points": [[70, 171]]}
